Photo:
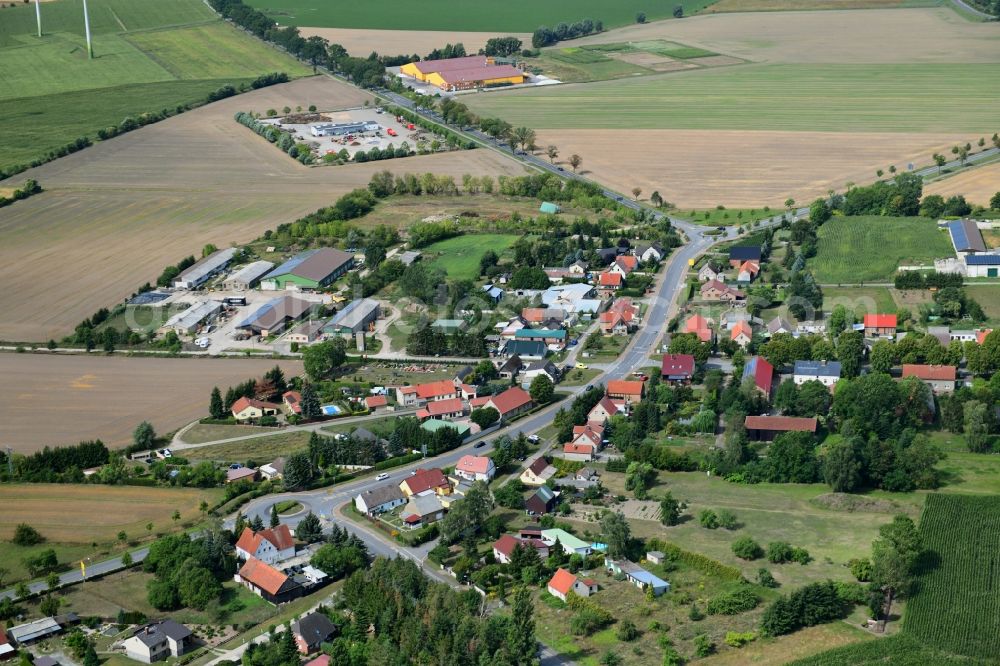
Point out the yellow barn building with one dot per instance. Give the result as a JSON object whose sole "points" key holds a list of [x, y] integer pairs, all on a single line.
{"points": [[463, 73]]}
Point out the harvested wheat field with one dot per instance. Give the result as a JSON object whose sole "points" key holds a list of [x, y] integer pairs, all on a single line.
{"points": [[978, 185], [701, 169], [834, 37], [106, 397], [361, 42], [69, 513], [114, 215]]}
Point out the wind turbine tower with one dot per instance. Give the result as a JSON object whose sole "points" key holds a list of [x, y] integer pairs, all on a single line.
{"points": [[86, 26], [38, 16]]}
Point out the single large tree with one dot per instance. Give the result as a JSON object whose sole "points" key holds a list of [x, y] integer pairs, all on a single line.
{"points": [[617, 534], [521, 644], [894, 561], [542, 390], [311, 408], [552, 153], [144, 436], [575, 161], [320, 359], [215, 407]]}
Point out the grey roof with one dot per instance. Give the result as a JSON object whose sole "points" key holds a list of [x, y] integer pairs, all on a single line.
{"points": [[408, 257], [422, 505], [966, 236], [210, 264], [778, 324], [251, 272], [314, 628], [526, 348], [380, 495], [363, 433], [45, 661], [194, 315], [512, 364], [275, 311], [545, 494], [542, 364], [355, 313], [818, 368], [278, 465], [34, 630]]}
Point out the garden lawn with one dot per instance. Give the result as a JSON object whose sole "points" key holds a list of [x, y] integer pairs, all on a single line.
{"points": [[261, 449], [511, 16], [459, 256], [860, 300], [987, 296], [870, 249], [815, 97]]}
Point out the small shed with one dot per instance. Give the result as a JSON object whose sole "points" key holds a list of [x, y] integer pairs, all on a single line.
{"points": [[655, 556], [549, 207]]}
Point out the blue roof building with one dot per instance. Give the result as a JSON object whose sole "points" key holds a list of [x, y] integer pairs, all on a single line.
{"points": [[637, 575], [965, 236]]}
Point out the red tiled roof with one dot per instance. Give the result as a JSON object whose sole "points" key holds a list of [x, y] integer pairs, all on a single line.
{"points": [[445, 64], [449, 406], [263, 576], [608, 404], [412, 518], [322, 660], [677, 364], [436, 389], [742, 328], [480, 401], [506, 544], [930, 372], [243, 403], [699, 326], [720, 287], [981, 335], [425, 479], [473, 464], [579, 448], [280, 537], [511, 399], [292, 399], [624, 387], [783, 423], [627, 261], [373, 401], [610, 279], [880, 321], [562, 581]]}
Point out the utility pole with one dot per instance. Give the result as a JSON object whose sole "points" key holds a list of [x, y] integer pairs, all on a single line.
{"points": [[86, 27], [10, 463], [38, 16]]}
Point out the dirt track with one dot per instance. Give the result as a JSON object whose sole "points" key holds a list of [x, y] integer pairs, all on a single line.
{"points": [[702, 168], [114, 215], [59, 400], [978, 184], [361, 42], [849, 36]]}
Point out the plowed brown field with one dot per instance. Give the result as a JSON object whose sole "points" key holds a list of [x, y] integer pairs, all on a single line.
{"points": [[60, 400], [702, 168], [978, 185], [114, 215]]}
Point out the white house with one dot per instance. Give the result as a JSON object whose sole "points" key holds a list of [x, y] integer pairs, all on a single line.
{"points": [[380, 499], [825, 372], [158, 640], [475, 468], [269, 546], [563, 582]]}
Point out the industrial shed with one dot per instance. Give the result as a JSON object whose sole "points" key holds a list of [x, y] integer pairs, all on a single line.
{"points": [[247, 277], [199, 273], [355, 318], [312, 269], [273, 316], [463, 73], [187, 322]]}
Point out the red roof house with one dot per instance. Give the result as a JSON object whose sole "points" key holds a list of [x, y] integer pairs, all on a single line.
{"points": [[880, 324], [268, 582], [511, 402], [608, 280], [767, 427], [293, 401], [677, 367], [762, 373], [440, 390], [446, 409], [425, 480], [376, 401], [269, 546], [699, 326], [563, 582], [941, 378], [625, 389]]}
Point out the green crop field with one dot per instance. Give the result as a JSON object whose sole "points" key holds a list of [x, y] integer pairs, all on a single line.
{"points": [[870, 249], [511, 16], [148, 55], [460, 256], [898, 650], [837, 98], [957, 607]]}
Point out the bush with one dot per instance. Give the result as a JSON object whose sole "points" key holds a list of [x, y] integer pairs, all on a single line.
{"points": [[746, 548], [708, 519], [727, 519], [627, 631], [779, 552], [738, 601], [765, 579], [738, 640], [703, 645], [861, 569], [26, 535], [813, 604]]}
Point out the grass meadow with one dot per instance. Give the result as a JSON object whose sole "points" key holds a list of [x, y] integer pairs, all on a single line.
{"points": [[460, 256], [869, 249], [512, 16], [833, 98], [149, 55]]}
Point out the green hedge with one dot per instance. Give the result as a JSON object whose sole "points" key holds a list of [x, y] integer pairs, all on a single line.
{"points": [[398, 460], [695, 560]]}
